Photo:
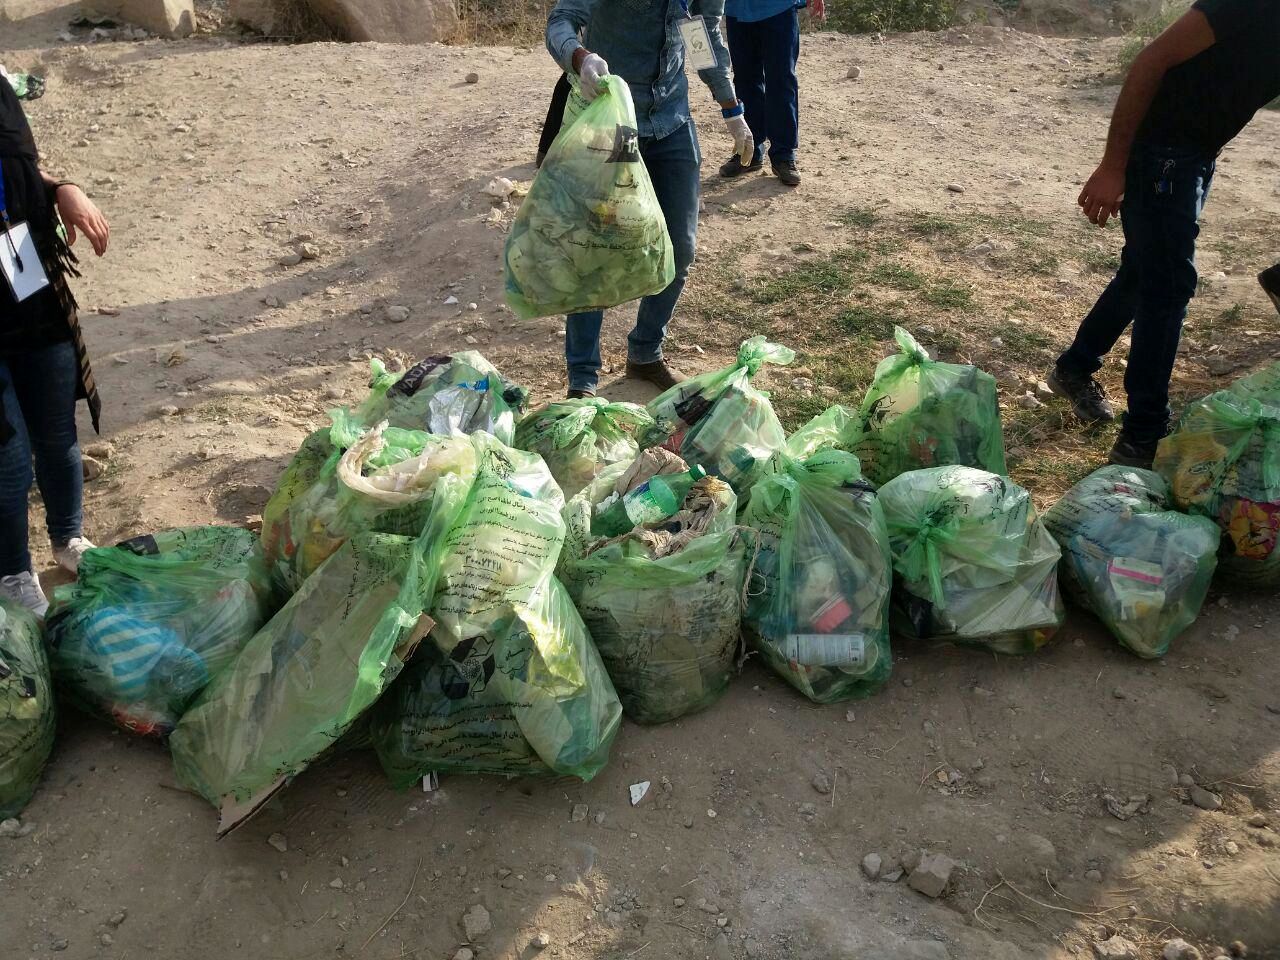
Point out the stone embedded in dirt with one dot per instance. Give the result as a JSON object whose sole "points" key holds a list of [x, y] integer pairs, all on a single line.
{"points": [[464, 953], [1237, 948], [290, 260], [1180, 950], [476, 922], [678, 901], [1093, 876], [821, 782], [892, 876], [309, 251], [871, 865], [473, 78], [854, 73], [1030, 401], [10, 828], [1186, 780], [1205, 799], [808, 811], [168, 410], [955, 188], [1038, 849], [279, 842], [91, 468], [272, 301], [168, 18], [540, 941], [912, 860], [1170, 774], [1258, 820], [932, 875], [579, 813], [106, 939], [1116, 948], [397, 314], [116, 919], [1042, 390], [59, 945]]}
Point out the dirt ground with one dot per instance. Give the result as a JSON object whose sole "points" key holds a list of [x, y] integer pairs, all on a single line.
{"points": [[215, 158]]}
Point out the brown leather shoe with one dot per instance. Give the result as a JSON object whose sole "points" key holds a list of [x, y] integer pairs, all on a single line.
{"points": [[581, 394], [657, 373]]}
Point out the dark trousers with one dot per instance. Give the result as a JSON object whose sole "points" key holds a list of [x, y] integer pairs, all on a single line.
{"points": [[764, 54], [1165, 191], [38, 388], [555, 115]]}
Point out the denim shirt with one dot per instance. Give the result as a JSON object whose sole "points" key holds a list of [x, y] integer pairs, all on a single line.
{"points": [[641, 42]]}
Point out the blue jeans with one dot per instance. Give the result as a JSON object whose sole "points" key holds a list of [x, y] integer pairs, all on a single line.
{"points": [[1165, 191], [673, 163], [765, 54], [39, 400]]}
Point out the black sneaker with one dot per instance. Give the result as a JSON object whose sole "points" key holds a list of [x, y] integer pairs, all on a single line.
{"points": [[580, 394], [785, 170], [734, 167], [1134, 453], [1088, 398], [1270, 280]]}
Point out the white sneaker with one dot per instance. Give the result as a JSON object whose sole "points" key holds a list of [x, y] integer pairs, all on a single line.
{"points": [[24, 590], [68, 556]]}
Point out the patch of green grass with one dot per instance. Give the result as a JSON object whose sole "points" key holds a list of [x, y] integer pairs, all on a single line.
{"points": [[1100, 259], [868, 322], [947, 295], [1023, 343], [858, 217], [895, 275], [890, 16], [833, 275], [933, 225], [795, 409]]}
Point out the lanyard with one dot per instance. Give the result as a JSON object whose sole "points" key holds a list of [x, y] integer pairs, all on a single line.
{"points": [[684, 5], [4, 211], [7, 226]]}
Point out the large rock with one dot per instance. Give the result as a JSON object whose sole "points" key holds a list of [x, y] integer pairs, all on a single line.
{"points": [[262, 15], [389, 21], [169, 18]]}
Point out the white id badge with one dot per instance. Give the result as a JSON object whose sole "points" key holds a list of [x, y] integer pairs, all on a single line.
{"points": [[20, 262], [697, 43]]}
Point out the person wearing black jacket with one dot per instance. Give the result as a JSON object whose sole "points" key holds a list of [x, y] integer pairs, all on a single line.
{"points": [[44, 367]]}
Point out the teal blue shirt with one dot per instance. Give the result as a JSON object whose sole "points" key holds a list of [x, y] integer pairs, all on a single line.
{"points": [[753, 11]]}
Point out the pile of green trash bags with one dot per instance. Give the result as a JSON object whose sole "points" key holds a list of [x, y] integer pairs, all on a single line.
{"points": [[1223, 462], [509, 681], [383, 483], [721, 422], [921, 413], [976, 566], [590, 234], [663, 601], [1142, 567], [27, 713], [818, 608], [580, 438], [151, 622]]}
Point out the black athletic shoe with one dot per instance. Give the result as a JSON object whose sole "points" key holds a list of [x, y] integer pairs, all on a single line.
{"points": [[734, 167], [580, 394], [1270, 280], [1134, 453], [785, 170], [1088, 399]]}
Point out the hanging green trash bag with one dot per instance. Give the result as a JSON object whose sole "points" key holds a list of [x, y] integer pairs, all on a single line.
{"points": [[590, 234], [719, 421], [663, 601], [26, 708], [818, 608], [579, 438], [316, 454], [1223, 462], [151, 622], [508, 682], [309, 674], [458, 393], [1143, 568], [975, 564], [922, 413], [383, 483]]}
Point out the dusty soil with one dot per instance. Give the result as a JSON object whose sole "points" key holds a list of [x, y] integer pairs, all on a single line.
{"points": [[215, 158]]}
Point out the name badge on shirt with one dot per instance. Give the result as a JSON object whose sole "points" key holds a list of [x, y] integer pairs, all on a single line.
{"points": [[697, 43], [20, 262]]}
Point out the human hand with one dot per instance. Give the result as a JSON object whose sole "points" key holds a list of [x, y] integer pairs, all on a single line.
{"points": [[591, 71], [79, 212], [1102, 193], [817, 10], [744, 144]]}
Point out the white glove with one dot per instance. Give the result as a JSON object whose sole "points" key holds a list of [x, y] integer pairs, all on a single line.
{"points": [[592, 69], [744, 145]]}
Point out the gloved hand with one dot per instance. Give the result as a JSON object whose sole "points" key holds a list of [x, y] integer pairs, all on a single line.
{"points": [[744, 144], [592, 69]]}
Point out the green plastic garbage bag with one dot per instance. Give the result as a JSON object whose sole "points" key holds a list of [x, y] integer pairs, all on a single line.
{"points": [[579, 438], [151, 622], [383, 483], [509, 681], [316, 455], [975, 564], [591, 234], [308, 675], [922, 413], [1143, 568], [1223, 462], [26, 708], [461, 393], [818, 608], [662, 602], [719, 421]]}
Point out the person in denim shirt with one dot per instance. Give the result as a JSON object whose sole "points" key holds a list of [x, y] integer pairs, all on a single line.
{"points": [[1188, 93], [640, 41]]}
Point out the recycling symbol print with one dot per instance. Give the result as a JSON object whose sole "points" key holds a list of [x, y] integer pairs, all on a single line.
{"points": [[470, 667]]}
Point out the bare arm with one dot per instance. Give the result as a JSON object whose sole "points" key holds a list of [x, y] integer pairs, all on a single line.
{"points": [[1186, 37], [79, 212]]}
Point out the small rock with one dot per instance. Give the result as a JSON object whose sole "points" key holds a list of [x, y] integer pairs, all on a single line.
{"points": [[540, 941], [932, 875], [10, 828], [278, 841], [1258, 820], [955, 188], [397, 314], [720, 949], [116, 919], [871, 865], [273, 302], [579, 813], [290, 260], [1030, 401], [473, 78], [1093, 876], [473, 306], [1015, 181], [848, 716], [678, 901], [706, 906], [808, 811], [1186, 780], [106, 939], [309, 251], [91, 468], [1117, 948], [464, 953], [336, 883], [854, 73], [1043, 390], [100, 450], [892, 876], [821, 782], [1180, 950], [58, 945], [1238, 948], [476, 922], [599, 817], [722, 922], [450, 300], [802, 383], [1170, 774], [1204, 799], [334, 392], [1119, 694], [911, 860], [997, 343]]}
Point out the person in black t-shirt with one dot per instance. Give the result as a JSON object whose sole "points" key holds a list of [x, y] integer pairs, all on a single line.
{"points": [[1188, 93]]}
